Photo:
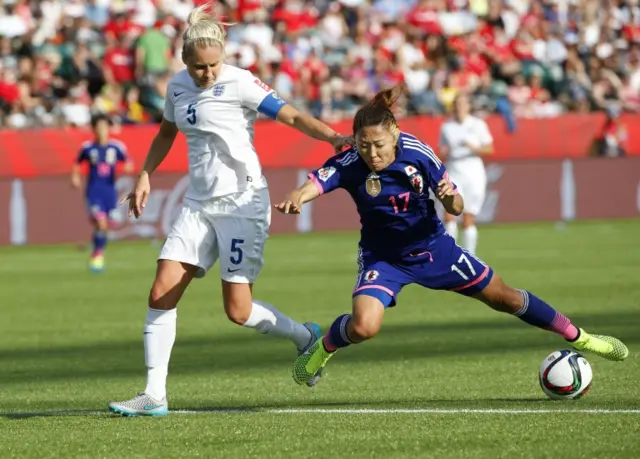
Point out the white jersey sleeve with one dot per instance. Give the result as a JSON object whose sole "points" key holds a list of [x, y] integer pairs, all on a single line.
{"points": [[484, 135], [256, 95]]}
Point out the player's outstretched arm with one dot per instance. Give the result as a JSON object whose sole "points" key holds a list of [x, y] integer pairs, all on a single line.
{"points": [[76, 181], [313, 128], [292, 203], [450, 198]]}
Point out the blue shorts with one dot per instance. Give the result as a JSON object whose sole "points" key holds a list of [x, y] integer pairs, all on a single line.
{"points": [[101, 205], [446, 266]]}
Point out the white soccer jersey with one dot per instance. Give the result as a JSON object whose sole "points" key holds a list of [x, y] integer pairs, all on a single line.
{"points": [[455, 135], [218, 124], [465, 167]]}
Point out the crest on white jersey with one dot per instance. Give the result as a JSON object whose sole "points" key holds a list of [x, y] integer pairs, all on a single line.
{"points": [[325, 173], [370, 276], [218, 90]]}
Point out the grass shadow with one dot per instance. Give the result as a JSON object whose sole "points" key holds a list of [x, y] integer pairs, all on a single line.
{"points": [[242, 352]]}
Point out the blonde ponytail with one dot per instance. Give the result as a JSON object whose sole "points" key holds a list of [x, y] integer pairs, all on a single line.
{"points": [[204, 30]]}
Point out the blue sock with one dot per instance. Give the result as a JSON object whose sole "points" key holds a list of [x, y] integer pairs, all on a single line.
{"points": [[337, 336], [539, 314], [99, 241]]}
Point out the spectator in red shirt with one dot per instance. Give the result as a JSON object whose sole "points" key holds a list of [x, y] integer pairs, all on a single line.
{"points": [[118, 62], [533, 19], [9, 92], [522, 46], [120, 24], [509, 39], [313, 74], [246, 7], [424, 17], [295, 16], [501, 55], [474, 61]]}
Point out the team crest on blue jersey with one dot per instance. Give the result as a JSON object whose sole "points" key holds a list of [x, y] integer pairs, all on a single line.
{"points": [[110, 157], [373, 185], [218, 90], [415, 178], [93, 156], [370, 276], [325, 173]]}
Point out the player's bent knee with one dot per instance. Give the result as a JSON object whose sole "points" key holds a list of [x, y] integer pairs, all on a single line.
{"points": [[102, 224], [172, 279], [238, 313], [161, 298], [366, 320], [363, 329]]}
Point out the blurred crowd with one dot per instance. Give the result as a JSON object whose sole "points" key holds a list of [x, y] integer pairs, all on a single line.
{"points": [[63, 60]]}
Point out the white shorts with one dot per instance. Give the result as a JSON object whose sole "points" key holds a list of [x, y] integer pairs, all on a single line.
{"points": [[232, 228], [472, 185]]}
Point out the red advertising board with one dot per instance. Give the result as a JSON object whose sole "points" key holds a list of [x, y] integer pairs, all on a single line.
{"points": [[53, 151], [48, 210]]}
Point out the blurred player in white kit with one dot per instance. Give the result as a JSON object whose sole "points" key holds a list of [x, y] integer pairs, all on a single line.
{"points": [[226, 212], [464, 139]]}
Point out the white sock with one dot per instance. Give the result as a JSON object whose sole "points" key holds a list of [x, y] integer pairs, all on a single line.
{"points": [[452, 228], [267, 320], [470, 238], [159, 336]]}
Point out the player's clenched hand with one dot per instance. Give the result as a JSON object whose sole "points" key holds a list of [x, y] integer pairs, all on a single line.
{"points": [[138, 196], [445, 188], [290, 205]]}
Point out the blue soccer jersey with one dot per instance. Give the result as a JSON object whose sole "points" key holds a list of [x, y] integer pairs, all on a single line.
{"points": [[398, 218], [101, 191], [402, 238]]}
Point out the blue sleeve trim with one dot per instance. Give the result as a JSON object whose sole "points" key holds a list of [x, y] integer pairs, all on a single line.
{"points": [[271, 105]]}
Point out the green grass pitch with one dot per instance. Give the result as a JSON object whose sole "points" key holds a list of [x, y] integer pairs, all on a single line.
{"points": [[71, 341]]}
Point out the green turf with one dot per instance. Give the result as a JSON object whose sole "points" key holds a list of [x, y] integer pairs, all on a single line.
{"points": [[71, 341]]}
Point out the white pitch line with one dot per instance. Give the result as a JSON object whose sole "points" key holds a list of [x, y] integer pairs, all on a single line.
{"points": [[339, 411], [450, 411]]}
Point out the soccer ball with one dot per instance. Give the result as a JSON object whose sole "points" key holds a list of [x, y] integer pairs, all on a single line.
{"points": [[565, 375]]}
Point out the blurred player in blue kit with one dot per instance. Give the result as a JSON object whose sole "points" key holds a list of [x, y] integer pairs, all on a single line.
{"points": [[102, 154], [388, 174]]}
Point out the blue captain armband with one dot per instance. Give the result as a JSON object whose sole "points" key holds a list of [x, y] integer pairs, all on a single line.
{"points": [[271, 105]]}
